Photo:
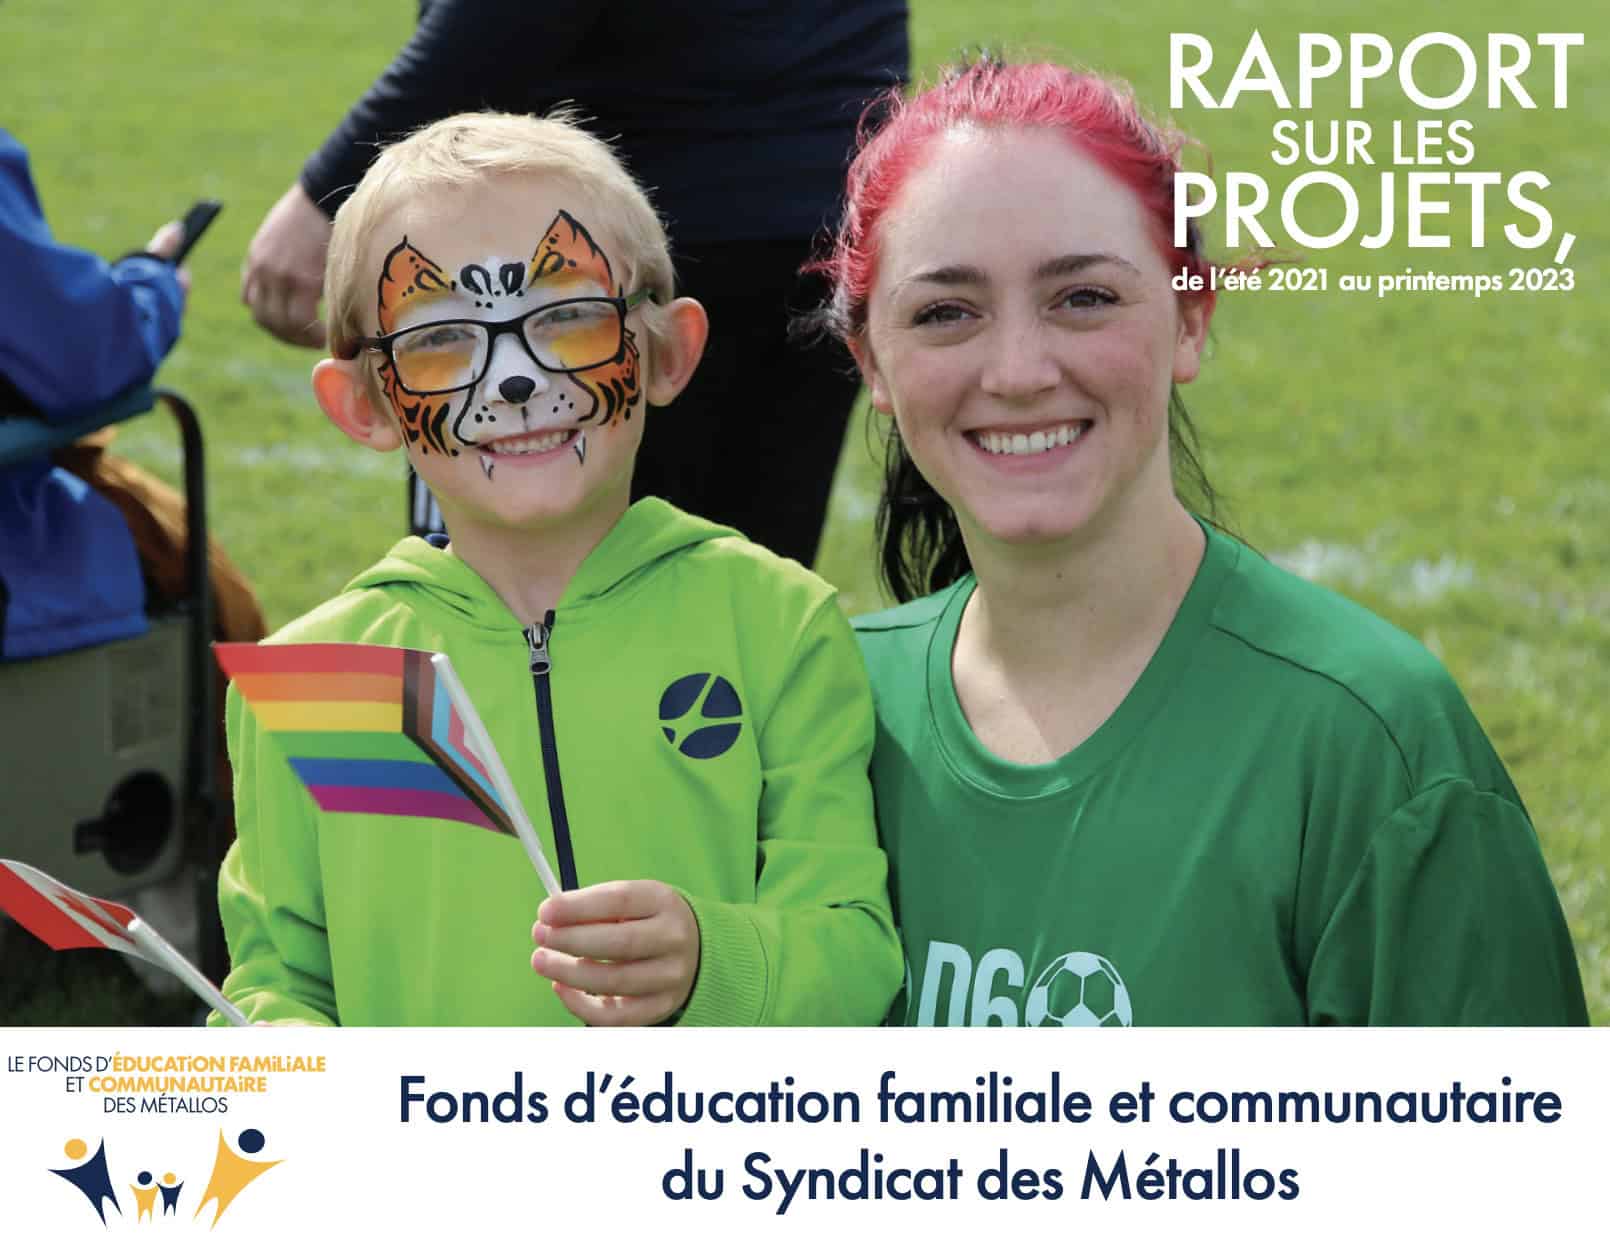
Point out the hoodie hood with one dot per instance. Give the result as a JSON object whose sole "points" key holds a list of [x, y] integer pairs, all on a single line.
{"points": [[650, 531]]}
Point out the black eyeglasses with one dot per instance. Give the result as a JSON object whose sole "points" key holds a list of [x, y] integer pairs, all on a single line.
{"points": [[446, 356]]}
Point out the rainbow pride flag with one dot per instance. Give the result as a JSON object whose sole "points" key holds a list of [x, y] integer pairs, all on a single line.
{"points": [[370, 729]]}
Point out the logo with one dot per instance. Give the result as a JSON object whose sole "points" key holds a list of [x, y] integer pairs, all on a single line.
{"points": [[701, 715], [234, 1166], [1078, 989]]}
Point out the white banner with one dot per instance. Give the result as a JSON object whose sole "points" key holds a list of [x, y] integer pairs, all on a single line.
{"points": [[271, 1134]]}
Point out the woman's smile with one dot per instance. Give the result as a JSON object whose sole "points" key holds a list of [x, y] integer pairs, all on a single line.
{"points": [[1038, 443]]}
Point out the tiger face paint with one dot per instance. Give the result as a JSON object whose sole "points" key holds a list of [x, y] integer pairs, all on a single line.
{"points": [[567, 258], [471, 378]]}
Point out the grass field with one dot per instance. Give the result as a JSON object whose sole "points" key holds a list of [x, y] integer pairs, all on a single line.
{"points": [[1441, 459]]}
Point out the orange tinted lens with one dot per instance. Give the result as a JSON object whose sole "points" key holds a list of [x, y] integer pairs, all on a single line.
{"points": [[575, 335], [437, 359]]}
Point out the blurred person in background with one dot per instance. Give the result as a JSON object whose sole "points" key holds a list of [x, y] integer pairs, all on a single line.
{"points": [[83, 530], [92, 542]]}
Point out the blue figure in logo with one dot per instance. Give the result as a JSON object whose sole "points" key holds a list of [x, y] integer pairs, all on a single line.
{"points": [[91, 1177], [170, 1189]]}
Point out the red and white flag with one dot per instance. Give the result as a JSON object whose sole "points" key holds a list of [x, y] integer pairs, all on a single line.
{"points": [[60, 916], [65, 919]]}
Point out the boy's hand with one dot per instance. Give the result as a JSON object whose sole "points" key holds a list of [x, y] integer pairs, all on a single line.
{"points": [[618, 953]]}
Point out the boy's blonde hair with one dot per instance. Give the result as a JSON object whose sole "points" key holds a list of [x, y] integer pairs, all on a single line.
{"points": [[474, 147]]}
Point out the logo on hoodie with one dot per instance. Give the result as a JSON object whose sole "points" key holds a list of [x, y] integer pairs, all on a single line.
{"points": [[701, 715]]}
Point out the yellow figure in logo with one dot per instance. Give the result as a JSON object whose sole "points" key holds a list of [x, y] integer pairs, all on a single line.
{"points": [[231, 1172], [144, 1188]]}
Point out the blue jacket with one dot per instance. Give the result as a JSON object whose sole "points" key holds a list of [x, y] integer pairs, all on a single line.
{"points": [[74, 332]]}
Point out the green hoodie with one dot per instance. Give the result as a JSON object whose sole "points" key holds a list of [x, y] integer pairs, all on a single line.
{"points": [[709, 725]]}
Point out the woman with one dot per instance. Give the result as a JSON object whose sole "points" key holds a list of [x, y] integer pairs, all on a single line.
{"points": [[1127, 770]]}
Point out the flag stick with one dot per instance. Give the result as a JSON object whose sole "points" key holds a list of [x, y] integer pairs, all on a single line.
{"points": [[157, 947], [500, 776]]}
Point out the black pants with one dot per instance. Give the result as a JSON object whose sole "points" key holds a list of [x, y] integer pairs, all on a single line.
{"points": [[755, 438]]}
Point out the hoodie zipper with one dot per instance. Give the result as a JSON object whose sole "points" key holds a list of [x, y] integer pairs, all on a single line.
{"points": [[536, 637]]}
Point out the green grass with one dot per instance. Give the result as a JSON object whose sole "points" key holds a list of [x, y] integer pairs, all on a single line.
{"points": [[1440, 459]]}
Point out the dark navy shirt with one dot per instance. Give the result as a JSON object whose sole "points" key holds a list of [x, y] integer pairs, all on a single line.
{"points": [[737, 115]]}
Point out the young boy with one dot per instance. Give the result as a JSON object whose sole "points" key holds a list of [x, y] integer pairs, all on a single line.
{"points": [[672, 701]]}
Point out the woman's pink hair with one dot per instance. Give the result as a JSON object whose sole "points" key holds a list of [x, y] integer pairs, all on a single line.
{"points": [[1099, 117]]}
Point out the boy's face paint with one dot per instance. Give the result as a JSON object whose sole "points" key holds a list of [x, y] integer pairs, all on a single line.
{"points": [[515, 397], [566, 264], [409, 283], [523, 449]]}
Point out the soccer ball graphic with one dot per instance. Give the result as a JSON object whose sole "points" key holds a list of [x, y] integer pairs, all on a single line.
{"points": [[1078, 990]]}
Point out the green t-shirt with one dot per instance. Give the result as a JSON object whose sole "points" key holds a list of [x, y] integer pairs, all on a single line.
{"points": [[1292, 818]]}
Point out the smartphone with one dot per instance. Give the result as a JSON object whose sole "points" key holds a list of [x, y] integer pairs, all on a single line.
{"points": [[194, 224]]}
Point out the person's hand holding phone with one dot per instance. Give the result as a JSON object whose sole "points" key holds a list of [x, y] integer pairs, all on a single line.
{"points": [[174, 240], [165, 243]]}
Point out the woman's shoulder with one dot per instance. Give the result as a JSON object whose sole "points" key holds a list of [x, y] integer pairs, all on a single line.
{"points": [[900, 622], [1285, 617], [897, 646], [1306, 643], [921, 614], [903, 632]]}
